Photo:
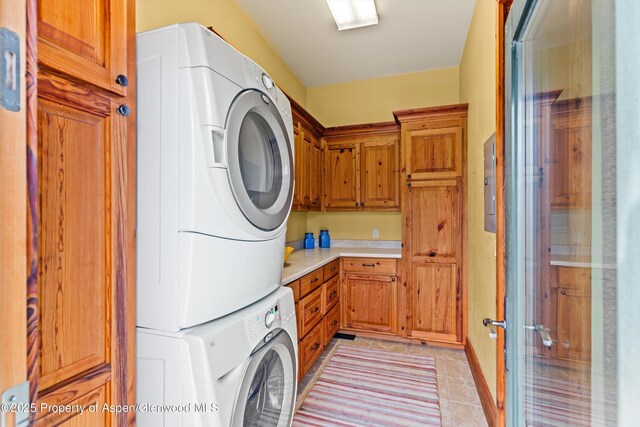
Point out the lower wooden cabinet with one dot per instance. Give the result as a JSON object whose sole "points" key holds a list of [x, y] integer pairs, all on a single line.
{"points": [[310, 348], [370, 303], [434, 301], [331, 324], [310, 311], [570, 314], [330, 294]]}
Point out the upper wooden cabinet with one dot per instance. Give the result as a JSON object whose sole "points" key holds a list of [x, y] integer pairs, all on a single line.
{"points": [[361, 167], [433, 153], [85, 39], [308, 169], [342, 175], [432, 141], [569, 153]]}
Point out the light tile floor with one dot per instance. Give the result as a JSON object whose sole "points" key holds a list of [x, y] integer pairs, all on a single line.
{"points": [[459, 401]]}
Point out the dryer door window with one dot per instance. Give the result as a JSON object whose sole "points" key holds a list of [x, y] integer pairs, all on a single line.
{"points": [[259, 160], [267, 392]]}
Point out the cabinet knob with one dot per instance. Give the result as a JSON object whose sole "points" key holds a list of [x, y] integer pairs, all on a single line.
{"points": [[124, 110], [393, 279], [122, 80], [563, 292]]}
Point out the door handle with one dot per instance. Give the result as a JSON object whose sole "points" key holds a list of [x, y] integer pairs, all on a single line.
{"points": [[492, 325], [543, 332]]}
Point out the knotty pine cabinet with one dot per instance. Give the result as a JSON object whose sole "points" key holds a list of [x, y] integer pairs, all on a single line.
{"points": [[434, 229], [370, 295], [569, 153], [82, 293], [361, 168], [308, 166], [317, 300]]}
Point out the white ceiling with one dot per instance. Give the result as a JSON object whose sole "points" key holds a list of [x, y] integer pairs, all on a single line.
{"points": [[413, 35]]}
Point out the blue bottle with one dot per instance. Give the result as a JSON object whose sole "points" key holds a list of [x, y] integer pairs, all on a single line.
{"points": [[309, 241], [325, 239]]}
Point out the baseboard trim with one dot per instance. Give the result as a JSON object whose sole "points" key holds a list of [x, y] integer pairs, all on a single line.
{"points": [[488, 404]]}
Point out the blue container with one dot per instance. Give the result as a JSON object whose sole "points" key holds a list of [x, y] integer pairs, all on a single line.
{"points": [[325, 239], [309, 241]]}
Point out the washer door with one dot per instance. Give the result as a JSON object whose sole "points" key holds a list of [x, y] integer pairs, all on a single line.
{"points": [[268, 388], [259, 160]]}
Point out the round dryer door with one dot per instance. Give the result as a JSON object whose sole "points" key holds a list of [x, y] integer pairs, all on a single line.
{"points": [[260, 161], [268, 389]]}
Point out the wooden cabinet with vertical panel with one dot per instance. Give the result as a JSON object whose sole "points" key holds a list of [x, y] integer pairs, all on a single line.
{"points": [[86, 193], [370, 295], [570, 153], [361, 167], [569, 317], [370, 303], [308, 160], [314, 148], [434, 237], [342, 175], [300, 177]]}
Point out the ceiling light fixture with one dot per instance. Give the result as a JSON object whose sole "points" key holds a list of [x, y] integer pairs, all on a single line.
{"points": [[353, 13]]}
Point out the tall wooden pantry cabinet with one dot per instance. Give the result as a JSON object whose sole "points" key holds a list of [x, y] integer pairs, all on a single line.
{"points": [[433, 144], [82, 208]]}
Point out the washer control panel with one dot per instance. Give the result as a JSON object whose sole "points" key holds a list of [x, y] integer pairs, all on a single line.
{"points": [[262, 321]]}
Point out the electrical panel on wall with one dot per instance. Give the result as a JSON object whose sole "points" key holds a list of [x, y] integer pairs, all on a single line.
{"points": [[490, 184]]}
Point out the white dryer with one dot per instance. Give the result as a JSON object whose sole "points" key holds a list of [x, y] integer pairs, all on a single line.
{"points": [[215, 178], [240, 370]]}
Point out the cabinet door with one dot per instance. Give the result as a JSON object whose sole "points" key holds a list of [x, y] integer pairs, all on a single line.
{"points": [[435, 301], [433, 153], [370, 303], [433, 252], [315, 171], [573, 327], [434, 221], [380, 178], [342, 176], [300, 171], [84, 315], [85, 39], [570, 154]]}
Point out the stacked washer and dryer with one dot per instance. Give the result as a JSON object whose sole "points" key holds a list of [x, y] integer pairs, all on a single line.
{"points": [[216, 333]]}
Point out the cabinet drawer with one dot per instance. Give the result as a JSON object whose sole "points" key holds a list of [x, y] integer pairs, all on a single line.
{"points": [[295, 287], [331, 324], [311, 281], [330, 294], [310, 311], [331, 269], [370, 265], [310, 348]]}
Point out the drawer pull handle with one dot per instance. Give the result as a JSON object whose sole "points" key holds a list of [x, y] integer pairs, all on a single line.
{"points": [[314, 280], [315, 347], [315, 309], [334, 323], [368, 265], [333, 294]]}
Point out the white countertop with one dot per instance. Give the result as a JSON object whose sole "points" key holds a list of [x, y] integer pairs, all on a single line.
{"points": [[304, 261]]}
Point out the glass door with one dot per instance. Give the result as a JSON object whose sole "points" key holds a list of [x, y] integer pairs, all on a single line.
{"points": [[560, 195]]}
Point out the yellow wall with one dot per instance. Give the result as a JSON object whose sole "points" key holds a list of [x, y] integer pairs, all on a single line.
{"points": [[477, 87], [296, 226], [374, 100], [232, 23], [356, 225]]}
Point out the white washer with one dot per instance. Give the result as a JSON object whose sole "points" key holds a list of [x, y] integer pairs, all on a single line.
{"points": [[215, 178], [240, 370]]}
